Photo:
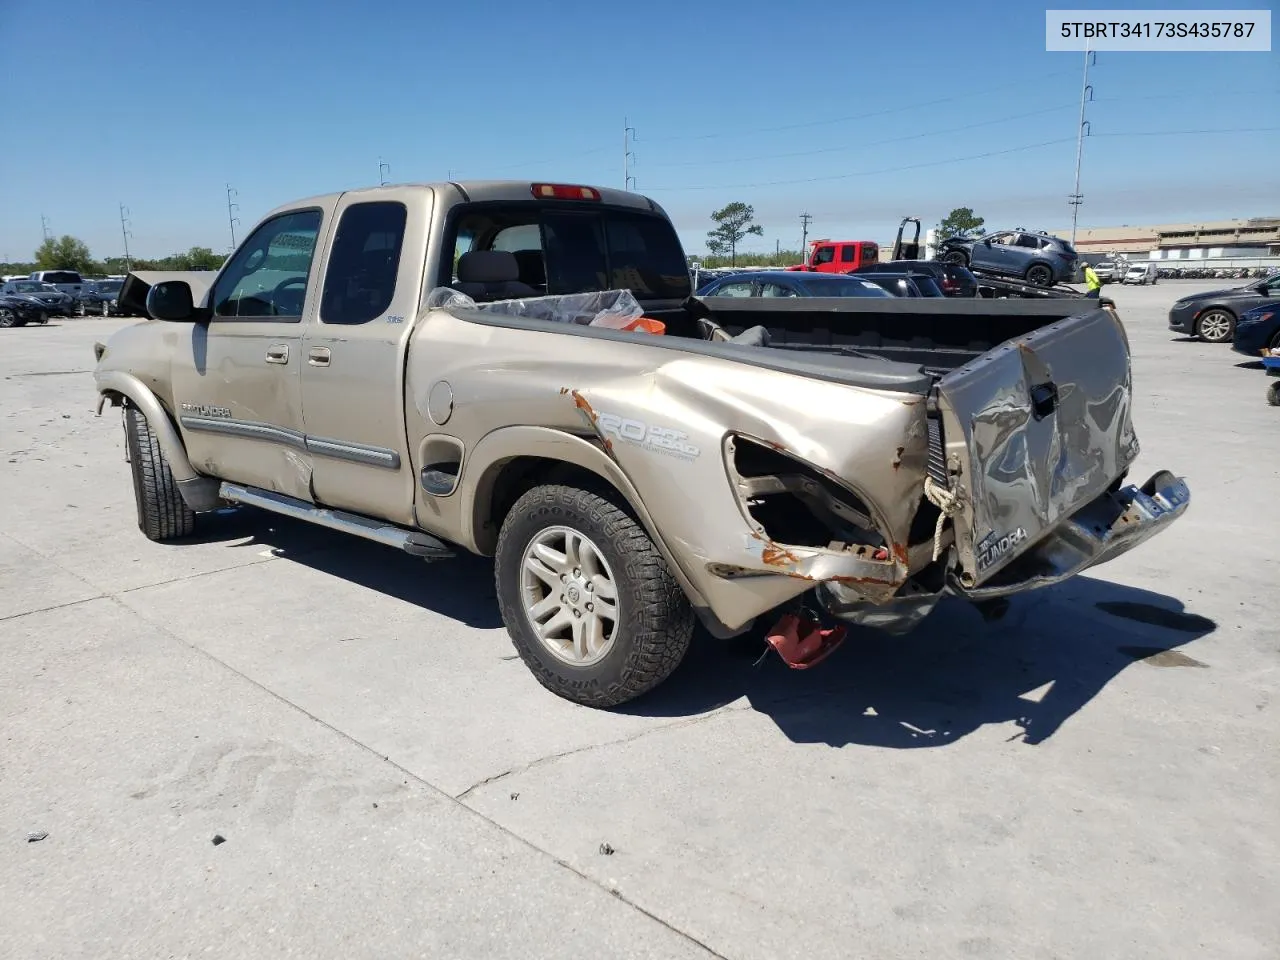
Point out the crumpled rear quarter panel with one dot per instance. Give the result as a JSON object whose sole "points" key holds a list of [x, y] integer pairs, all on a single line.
{"points": [[663, 418]]}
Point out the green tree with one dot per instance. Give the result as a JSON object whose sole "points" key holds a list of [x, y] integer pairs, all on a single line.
{"points": [[64, 253], [734, 223], [197, 258], [960, 222]]}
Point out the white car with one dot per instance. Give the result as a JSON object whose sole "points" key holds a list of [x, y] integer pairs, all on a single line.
{"points": [[1142, 273]]}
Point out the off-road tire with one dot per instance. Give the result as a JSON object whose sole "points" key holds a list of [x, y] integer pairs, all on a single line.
{"points": [[1042, 271], [162, 513], [655, 621]]}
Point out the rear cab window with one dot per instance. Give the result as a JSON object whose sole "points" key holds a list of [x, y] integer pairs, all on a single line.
{"points": [[565, 247]]}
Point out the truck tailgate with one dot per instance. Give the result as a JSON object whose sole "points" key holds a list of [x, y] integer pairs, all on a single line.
{"points": [[1034, 430]]}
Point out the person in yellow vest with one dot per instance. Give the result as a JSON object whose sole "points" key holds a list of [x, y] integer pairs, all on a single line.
{"points": [[1092, 281]]}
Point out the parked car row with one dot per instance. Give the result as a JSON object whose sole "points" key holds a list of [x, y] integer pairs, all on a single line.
{"points": [[37, 298]]}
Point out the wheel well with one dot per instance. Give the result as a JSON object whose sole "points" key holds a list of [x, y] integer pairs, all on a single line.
{"points": [[507, 481]]}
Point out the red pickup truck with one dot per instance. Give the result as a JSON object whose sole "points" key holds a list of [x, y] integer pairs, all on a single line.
{"points": [[839, 256]]}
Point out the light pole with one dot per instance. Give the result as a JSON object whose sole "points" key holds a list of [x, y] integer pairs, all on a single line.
{"points": [[232, 219], [1086, 94]]}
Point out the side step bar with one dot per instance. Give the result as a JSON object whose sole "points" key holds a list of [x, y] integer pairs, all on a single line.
{"points": [[414, 542]]}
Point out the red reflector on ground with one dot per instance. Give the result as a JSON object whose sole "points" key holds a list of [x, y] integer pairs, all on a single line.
{"points": [[564, 191]]}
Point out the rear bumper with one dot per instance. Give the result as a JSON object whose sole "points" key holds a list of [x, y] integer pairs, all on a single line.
{"points": [[1107, 527]]}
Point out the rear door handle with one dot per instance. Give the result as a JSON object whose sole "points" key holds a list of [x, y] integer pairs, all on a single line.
{"points": [[278, 353], [318, 356]]}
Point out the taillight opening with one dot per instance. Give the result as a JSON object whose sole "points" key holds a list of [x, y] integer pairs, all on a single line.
{"points": [[563, 191]]}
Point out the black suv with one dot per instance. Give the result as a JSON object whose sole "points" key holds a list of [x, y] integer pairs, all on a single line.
{"points": [[954, 279]]}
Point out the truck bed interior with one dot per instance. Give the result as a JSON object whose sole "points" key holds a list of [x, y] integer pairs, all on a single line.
{"points": [[938, 335]]}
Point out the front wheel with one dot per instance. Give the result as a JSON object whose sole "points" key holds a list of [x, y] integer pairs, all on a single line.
{"points": [[958, 257], [162, 513], [589, 603], [8, 318], [1273, 395], [1215, 326]]}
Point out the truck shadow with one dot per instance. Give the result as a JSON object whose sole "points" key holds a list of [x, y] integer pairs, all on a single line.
{"points": [[460, 588], [1052, 654]]}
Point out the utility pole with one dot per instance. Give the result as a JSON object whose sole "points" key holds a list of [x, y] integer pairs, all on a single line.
{"points": [[805, 220], [383, 165], [232, 219], [44, 227], [125, 223], [1086, 94], [628, 158]]}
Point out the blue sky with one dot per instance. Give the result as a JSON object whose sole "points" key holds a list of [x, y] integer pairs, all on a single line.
{"points": [[884, 109]]}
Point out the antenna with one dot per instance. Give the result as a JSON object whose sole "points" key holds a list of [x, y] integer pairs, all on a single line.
{"points": [[232, 219], [1082, 131], [44, 227], [383, 165], [126, 233], [628, 157]]}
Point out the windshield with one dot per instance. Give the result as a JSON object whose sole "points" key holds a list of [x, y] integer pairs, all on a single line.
{"points": [[27, 286], [61, 276]]}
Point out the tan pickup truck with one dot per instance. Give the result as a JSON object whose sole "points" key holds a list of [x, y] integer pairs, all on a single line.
{"points": [[862, 456]]}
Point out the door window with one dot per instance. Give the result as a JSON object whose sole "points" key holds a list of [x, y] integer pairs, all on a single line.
{"points": [[736, 288], [776, 290], [267, 277], [824, 255], [848, 253], [360, 280]]}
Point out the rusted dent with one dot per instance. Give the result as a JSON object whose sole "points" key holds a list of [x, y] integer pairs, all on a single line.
{"points": [[776, 556], [581, 403]]}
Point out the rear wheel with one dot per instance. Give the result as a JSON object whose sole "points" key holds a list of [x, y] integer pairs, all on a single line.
{"points": [[1273, 395], [1039, 275], [162, 513], [588, 601], [1215, 326]]}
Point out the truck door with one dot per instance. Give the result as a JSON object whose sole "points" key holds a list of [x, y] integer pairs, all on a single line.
{"points": [[824, 258], [237, 393], [353, 355]]}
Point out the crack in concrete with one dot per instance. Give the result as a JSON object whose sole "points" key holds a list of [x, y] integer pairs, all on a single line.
{"points": [[553, 757]]}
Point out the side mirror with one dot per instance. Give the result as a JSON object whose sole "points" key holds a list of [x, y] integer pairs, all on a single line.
{"points": [[171, 300], [987, 242]]}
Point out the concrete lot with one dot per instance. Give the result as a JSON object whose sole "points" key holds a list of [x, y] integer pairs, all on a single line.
{"points": [[1095, 776]]}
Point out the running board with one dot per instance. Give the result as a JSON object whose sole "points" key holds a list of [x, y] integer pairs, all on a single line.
{"points": [[414, 542]]}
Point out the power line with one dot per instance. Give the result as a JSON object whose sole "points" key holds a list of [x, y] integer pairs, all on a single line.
{"points": [[871, 143], [967, 95], [866, 173], [938, 163]]}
